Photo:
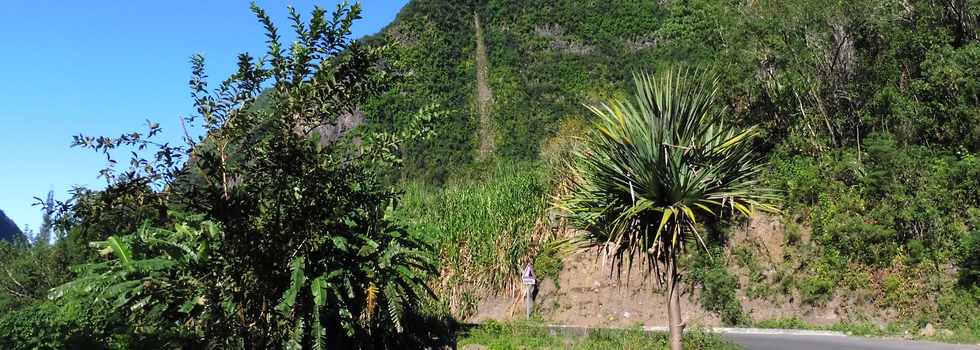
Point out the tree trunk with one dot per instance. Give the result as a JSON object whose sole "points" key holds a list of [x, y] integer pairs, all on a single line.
{"points": [[674, 305]]}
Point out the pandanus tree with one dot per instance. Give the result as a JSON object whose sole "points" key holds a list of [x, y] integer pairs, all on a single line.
{"points": [[651, 169]]}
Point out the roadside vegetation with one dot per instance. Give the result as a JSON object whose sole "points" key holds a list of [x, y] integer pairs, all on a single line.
{"points": [[529, 335], [468, 220]]}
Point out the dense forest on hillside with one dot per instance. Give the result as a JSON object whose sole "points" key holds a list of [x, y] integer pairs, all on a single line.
{"points": [[869, 113], [869, 110]]}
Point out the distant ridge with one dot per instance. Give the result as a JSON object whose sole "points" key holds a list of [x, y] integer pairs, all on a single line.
{"points": [[8, 229]]}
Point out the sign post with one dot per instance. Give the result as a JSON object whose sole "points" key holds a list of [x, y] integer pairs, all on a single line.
{"points": [[529, 282]]}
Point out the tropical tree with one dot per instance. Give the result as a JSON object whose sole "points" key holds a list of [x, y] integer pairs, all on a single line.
{"points": [[271, 230], [651, 169]]}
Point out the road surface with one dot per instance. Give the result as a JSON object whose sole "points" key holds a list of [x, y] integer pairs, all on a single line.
{"points": [[822, 342], [790, 339]]}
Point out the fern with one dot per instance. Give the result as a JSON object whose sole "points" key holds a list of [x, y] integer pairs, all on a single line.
{"points": [[370, 301], [297, 281], [295, 341], [318, 288], [395, 308], [318, 332]]}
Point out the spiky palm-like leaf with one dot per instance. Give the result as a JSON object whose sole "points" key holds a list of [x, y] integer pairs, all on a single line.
{"points": [[653, 166]]}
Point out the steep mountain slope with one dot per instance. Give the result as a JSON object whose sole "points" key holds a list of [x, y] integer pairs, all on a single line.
{"points": [[8, 229], [510, 84], [813, 73], [869, 111]]}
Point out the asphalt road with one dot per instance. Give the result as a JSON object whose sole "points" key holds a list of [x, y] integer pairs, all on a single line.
{"points": [[823, 342]]}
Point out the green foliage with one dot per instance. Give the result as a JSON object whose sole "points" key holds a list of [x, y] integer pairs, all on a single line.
{"points": [[958, 311], [43, 326], [28, 320], [719, 287], [28, 271], [651, 169], [968, 254], [153, 275], [909, 198], [824, 274], [534, 336], [549, 260], [816, 290], [431, 38], [811, 73], [482, 230], [79, 324], [288, 243], [758, 284]]}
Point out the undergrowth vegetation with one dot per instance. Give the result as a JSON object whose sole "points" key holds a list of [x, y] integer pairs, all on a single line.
{"points": [[485, 230], [530, 335]]}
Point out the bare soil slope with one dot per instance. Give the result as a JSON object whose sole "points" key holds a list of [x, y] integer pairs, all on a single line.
{"points": [[588, 294]]}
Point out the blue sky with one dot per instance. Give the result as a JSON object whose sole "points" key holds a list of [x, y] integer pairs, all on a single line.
{"points": [[103, 68]]}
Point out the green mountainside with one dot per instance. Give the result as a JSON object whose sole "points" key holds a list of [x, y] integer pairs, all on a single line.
{"points": [[817, 75], [870, 112]]}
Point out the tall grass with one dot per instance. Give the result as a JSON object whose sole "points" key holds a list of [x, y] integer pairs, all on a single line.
{"points": [[484, 229]]}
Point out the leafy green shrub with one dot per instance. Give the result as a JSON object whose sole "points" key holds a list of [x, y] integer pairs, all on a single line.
{"points": [[80, 325], [35, 327], [958, 310], [718, 287], [29, 270], [816, 290], [968, 254], [549, 260], [758, 286], [794, 235]]}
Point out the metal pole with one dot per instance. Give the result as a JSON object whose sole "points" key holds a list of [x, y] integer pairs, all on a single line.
{"points": [[528, 299], [529, 281]]}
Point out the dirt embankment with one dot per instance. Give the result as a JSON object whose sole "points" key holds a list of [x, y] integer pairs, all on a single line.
{"points": [[587, 294]]}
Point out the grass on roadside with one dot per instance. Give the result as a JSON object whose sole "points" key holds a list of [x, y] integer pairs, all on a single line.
{"points": [[867, 329], [526, 335], [482, 228]]}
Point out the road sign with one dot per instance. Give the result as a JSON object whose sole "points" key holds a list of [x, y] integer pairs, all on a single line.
{"points": [[528, 277]]}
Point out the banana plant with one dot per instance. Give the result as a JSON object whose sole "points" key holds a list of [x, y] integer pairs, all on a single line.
{"points": [[151, 271]]}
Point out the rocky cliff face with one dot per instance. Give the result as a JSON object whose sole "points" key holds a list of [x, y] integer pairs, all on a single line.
{"points": [[8, 229]]}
